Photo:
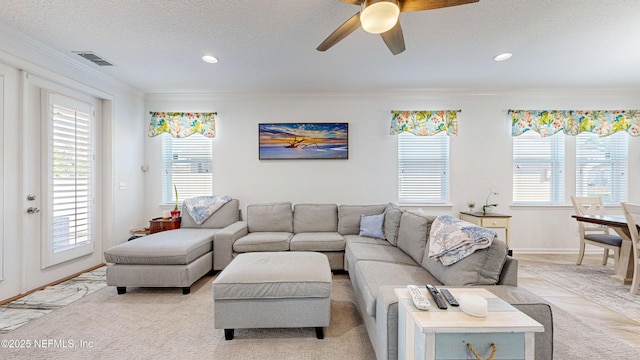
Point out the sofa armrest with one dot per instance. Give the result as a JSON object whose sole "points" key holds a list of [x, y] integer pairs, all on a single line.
{"points": [[509, 274], [386, 346], [223, 243]]}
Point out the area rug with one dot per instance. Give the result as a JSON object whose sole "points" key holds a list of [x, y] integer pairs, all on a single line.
{"points": [[42, 302], [592, 282]]}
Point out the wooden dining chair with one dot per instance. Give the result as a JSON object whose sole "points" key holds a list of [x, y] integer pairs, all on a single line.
{"points": [[593, 234], [632, 213]]}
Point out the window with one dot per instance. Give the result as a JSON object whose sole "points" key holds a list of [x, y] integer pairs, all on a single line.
{"points": [[187, 163], [423, 169], [601, 166], [70, 180], [538, 169]]}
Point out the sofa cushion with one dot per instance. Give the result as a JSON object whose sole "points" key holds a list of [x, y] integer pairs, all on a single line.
{"points": [[263, 241], [370, 275], [364, 240], [392, 216], [175, 247], [483, 267], [349, 217], [413, 233], [359, 251], [275, 217], [223, 217], [317, 241], [372, 226], [315, 218]]}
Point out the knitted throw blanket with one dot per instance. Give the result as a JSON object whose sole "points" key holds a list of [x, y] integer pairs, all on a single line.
{"points": [[201, 207], [452, 239]]}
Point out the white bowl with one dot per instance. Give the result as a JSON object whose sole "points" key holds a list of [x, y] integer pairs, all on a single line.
{"points": [[473, 305]]}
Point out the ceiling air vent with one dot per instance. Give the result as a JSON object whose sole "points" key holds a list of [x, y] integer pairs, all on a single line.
{"points": [[91, 56]]}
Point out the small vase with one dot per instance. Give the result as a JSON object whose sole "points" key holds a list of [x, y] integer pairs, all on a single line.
{"points": [[487, 210], [175, 214]]}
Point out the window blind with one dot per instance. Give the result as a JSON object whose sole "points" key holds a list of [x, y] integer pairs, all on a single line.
{"points": [[601, 166], [538, 169], [70, 173], [423, 168], [187, 163]]}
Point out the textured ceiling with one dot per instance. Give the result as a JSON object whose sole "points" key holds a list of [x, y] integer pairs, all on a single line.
{"points": [[270, 45]]}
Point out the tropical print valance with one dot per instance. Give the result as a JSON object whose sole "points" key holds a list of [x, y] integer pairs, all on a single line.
{"points": [[424, 122], [182, 124], [574, 122]]}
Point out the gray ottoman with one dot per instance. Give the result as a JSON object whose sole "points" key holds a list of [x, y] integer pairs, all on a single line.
{"points": [[273, 290]]}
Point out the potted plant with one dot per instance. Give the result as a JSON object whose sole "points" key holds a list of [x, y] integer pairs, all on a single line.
{"points": [[175, 214], [488, 208]]}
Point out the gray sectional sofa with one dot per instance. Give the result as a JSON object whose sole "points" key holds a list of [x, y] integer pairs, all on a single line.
{"points": [[398, 257]]}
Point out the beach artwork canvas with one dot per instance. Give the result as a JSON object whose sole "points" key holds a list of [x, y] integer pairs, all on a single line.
{"points": [[304, 141]]}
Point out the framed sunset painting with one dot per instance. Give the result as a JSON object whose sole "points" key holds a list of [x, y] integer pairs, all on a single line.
{"points": [[303, 141]]}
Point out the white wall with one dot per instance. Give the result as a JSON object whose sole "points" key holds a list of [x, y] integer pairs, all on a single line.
{"points": [[480, 155], [122, 152]]}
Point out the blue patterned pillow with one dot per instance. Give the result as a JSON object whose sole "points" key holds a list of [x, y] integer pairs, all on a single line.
{"points": [[371, 226]]}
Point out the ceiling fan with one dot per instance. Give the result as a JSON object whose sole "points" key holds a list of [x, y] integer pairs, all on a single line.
{"points": [[381, 17]]}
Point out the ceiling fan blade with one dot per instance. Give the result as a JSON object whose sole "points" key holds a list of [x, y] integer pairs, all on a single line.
{"points": [[340, 33], [394, 39], [419, 5]]}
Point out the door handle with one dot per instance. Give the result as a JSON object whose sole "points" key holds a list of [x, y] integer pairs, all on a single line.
{"points": [[33, 210]]}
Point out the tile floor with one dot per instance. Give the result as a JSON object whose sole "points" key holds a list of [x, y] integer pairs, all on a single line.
{"points": [[624, 328]]}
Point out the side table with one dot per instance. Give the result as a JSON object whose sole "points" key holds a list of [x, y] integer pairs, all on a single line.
{"points": [[491, 220], [444, 334], [160, 224]]}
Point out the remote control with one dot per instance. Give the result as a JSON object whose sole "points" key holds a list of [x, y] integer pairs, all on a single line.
{"points": [[447, 295], [437, 297], [419, 300]]}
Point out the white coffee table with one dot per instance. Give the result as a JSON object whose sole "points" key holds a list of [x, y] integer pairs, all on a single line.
{"points": [[444, 334]]}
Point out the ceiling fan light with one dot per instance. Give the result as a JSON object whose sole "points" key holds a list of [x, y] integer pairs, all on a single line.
{"points": [[379, 16]]}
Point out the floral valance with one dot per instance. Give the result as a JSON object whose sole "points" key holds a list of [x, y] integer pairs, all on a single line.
{"points": [[424, 122], [574, 122], [182, 124]]}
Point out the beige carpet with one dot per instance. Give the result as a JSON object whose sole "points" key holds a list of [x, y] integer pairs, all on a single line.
{"points": [[164, 324]]}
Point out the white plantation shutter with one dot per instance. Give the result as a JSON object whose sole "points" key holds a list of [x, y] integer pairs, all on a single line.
{"points": [[538, 169], [601, 166], [70, 177], [187, 163], [423, 168]]}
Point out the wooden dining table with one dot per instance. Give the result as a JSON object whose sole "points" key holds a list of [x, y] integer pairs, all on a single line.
{"points": [[624, 266]]}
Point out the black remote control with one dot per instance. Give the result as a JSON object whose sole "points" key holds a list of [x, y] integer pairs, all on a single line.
{"points": [[437, 297], [447, 295]]}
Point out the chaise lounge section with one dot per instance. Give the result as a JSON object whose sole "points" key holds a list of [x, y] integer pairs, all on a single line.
{"points": [[175, 258]]}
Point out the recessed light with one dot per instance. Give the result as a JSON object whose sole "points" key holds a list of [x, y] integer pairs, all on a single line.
{"points": [[210, 59], [503, 57]]}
